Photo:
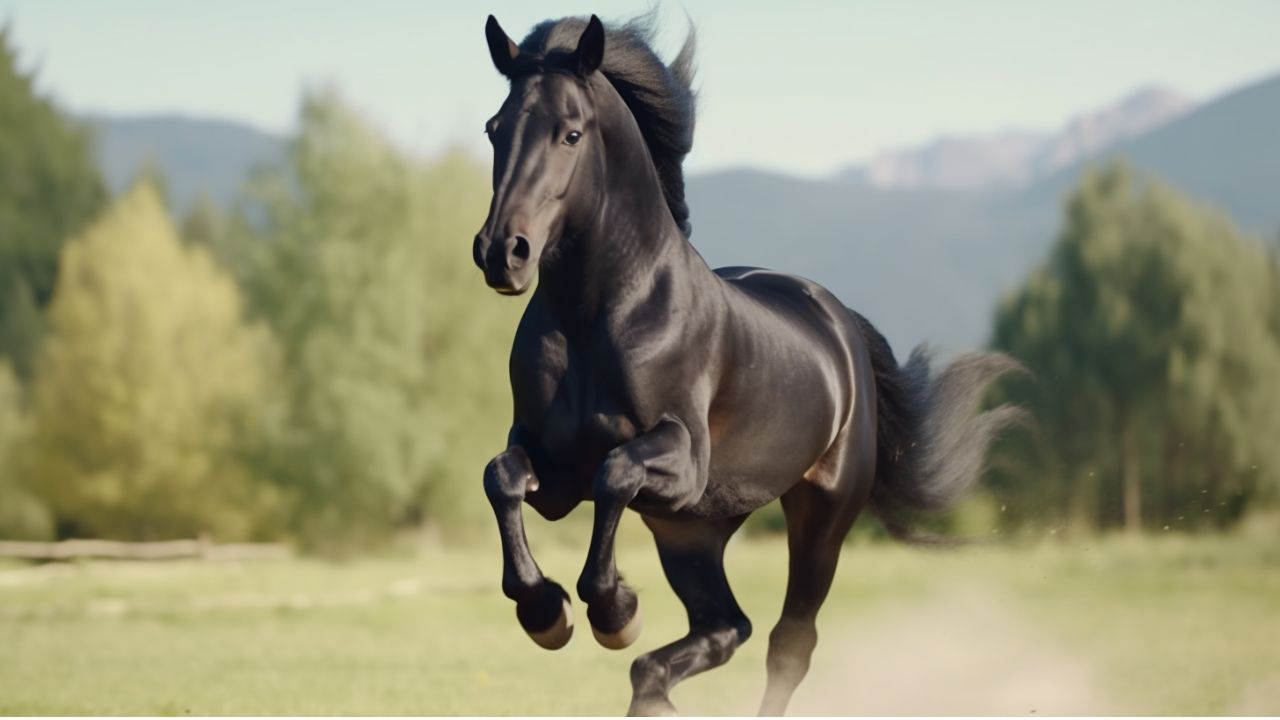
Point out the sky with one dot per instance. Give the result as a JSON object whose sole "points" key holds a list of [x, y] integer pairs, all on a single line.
{"points": [[803, 87]]}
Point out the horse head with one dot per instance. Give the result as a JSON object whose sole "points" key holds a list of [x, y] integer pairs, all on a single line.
{"points": [[547, 156]]}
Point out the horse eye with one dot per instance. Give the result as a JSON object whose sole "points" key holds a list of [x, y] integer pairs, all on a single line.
{"points": [[572, 138]]}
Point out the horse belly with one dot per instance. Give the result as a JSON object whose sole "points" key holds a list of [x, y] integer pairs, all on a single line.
{"points": [[749, 470], [769, 430]]}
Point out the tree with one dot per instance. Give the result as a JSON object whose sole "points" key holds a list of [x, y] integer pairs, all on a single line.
{"points": [[49, 187], [1152, 332], [148, 386], [391, 344], [22, 515]]}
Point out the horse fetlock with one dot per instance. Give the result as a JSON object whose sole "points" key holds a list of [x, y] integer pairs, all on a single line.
{"points": [[794, 636], [548, 617], [650, 682], [652, 707], [791, 646], [649, 675], [596, 587], [516, 586]]}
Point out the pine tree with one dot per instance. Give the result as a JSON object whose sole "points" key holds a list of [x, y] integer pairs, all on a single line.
{"points": [[49, 187]]}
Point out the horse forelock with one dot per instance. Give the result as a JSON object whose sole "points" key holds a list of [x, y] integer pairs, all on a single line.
{"points": [[659, 96]]}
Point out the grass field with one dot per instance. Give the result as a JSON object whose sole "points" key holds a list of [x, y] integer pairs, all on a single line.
{"points": [[1154, 626]]}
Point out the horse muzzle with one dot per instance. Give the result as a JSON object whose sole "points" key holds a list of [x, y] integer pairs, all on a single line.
{"points": [[508, 264]]}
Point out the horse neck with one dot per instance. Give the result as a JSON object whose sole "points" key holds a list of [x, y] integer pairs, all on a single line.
{"points": [[626, 239]]}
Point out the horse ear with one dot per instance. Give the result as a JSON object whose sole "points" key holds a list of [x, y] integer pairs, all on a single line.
{"points": [[501, 49], [590, 52]]}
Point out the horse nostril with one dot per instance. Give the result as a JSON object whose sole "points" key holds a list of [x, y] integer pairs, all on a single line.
{"points": [[517, 251], [521, 249]]}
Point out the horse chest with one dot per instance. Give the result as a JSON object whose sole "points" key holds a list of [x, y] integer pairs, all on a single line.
{"points": [[582, 438], [575, 405]]}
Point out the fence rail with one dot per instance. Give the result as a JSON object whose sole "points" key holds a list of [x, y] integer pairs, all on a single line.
{"points": [[166, 550]]}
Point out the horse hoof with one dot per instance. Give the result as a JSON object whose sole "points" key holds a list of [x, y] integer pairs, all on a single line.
{"points": [[559, 631], [622, 638]]}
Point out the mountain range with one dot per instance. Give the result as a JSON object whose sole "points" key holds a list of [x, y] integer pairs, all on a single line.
{"points": [[196, 156], [923, 241], [1018, 158], [931, 264]]}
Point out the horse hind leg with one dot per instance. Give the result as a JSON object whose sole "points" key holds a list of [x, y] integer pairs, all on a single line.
{"points": [[817, 522], [692, 555]]}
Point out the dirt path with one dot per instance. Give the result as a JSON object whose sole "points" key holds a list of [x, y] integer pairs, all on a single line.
{"points": [[965, 651]]}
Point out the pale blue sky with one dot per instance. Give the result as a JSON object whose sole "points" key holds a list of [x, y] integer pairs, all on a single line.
{"points": [[802, 86]]}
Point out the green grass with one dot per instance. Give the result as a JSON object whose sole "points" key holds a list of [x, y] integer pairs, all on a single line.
{"points": [[1182, 625], [1169, 625]]}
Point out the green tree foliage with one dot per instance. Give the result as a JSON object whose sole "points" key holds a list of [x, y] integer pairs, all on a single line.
{"points": [[22, 515], [1152, 334], [148, 383], [49, 187], [395, 352], [206, 224]]}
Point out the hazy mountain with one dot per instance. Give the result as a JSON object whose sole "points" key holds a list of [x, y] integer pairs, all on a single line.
{"points": [[1226, 152], [955, 163], [920, 264], [1017, 158], [928, 263], [194, 154], [1086, 136]]}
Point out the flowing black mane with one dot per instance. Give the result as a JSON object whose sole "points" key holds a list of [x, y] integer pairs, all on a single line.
{"points": [[660, 96]]}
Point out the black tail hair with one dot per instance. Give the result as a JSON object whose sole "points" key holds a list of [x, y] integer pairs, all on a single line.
{"points": [[931, 441]]}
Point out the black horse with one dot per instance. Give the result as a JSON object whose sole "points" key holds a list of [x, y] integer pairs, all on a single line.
{"points": [[643, 379]]}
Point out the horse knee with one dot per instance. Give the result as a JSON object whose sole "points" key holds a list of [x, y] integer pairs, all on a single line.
{"points": [[620, 476], [508, 476]]}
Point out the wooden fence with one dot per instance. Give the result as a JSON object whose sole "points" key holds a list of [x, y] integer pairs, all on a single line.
{"points": [[166, 550]]}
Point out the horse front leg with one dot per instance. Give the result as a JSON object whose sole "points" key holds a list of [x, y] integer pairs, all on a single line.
{"points": [[661, 463], [542, 605]]}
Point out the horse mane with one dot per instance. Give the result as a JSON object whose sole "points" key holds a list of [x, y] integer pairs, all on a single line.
{"points": [[660, 96]]}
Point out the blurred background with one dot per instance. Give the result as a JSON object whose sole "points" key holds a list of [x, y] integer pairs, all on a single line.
{"points": [[249, 376]]}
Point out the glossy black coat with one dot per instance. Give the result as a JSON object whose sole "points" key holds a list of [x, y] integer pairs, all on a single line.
{"points": [[643, 379]]}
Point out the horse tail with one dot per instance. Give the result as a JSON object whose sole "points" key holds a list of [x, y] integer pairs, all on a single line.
{"points": [[931, 440]]}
